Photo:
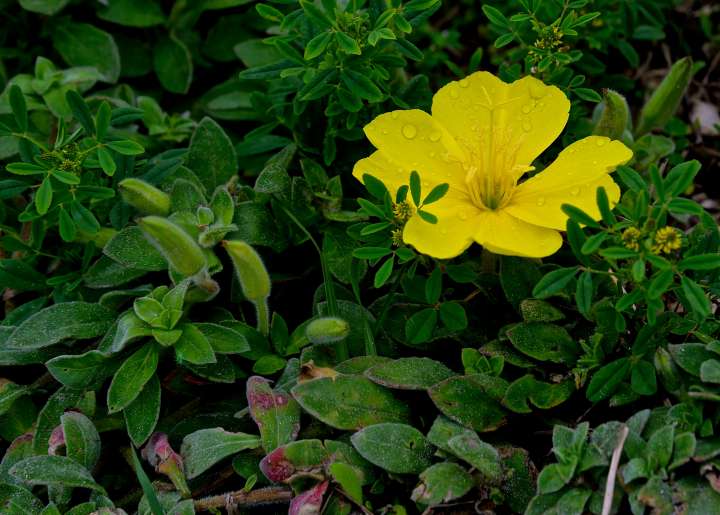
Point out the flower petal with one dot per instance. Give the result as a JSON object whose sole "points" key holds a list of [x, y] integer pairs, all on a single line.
{"points": [[572, 178], [450, 236], [501, 233], [415, 141], [492, 118]]}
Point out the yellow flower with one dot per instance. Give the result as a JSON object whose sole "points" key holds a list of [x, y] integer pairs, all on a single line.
{"points": [[631, 238], [667, 239], [482, 136]]}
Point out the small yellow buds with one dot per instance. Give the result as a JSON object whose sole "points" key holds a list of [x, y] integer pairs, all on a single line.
{"points": [[145, 197], [253, 277], [179, 249], [327, 330], [667, 239], [665, 100], [631, 238], [403, 211]]}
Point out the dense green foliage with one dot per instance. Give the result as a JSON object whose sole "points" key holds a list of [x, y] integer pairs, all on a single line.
{"points": [[204, 311]]}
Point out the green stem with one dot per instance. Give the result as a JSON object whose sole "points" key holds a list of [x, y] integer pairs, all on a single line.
{"points": [[263, 316], [341, 348]]}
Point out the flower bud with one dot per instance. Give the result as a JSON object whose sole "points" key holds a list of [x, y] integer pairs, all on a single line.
{"points": [[177, 246], [614, 115], [250, 270], [327, 330], [144, 197], [161, 455], [665, 100], [309, 502]]}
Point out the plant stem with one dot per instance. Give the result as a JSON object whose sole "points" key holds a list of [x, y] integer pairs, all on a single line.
{"points": [[263, 316], [270, 495]]}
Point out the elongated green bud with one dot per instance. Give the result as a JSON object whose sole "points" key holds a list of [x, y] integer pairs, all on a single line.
{"points": [[177, 246], [327, 330], [253, 277], [665, 100], [250, 269], [668, 371], [145, 197], [614, 116]]}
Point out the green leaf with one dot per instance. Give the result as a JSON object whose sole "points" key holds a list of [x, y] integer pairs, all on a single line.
{"points": [[397, 448], [81, 112], [147, 487], [484, 457], [696, 297], [193, 347], [606, 380], [584, 292], [130, 248], [49, 418], [317, 45], [442, 483], [588, 94], [495, 16], [349, 402], [415, 187], [142, 414], [212, 155], [453, 316], [504, 40], [543, 341], [347, 44], [48, 7], [25, 168], [659, 448], [82, 441], [126, 147], [173, 64], [700, 262], [77, 320], [19, 109], [84, 218], [44, 196], [82, 44], [131, 377], [68, 229], [204, 448], [349, 479], [361, 85], [660, 284], [269, 12], [133, 13], [433, 286], [224, 340], [578, 215], [107, 163], [371, 252], [409, 373], [275, 412], [82, 371], [471, 400], [642, 379], [54, 470], [384, 272], [420, 327], [553, 282]]}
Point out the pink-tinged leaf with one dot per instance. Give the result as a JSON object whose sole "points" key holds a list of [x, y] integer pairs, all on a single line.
{"points": [[163, 457], [276, 466], [276, 413], [309, 502], [56, 441]]}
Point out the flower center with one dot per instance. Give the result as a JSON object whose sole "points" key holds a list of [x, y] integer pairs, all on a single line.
{"points": [[492, 189]]}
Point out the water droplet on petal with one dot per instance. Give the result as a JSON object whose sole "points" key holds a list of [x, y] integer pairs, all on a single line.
{"points": [[426, 184], [537, 90], [409, 131], [541, 201], [394, 115], [526, 126], [443, 231], [454, 93], [575, 191], [435, 136], [526, 108], [464, 83], [462, 215], [384, 131], [595, 161], [601, 142], [432, 154]]}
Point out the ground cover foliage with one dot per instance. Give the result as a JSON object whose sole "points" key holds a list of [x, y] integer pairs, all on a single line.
{"points": [[214, 302]]}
